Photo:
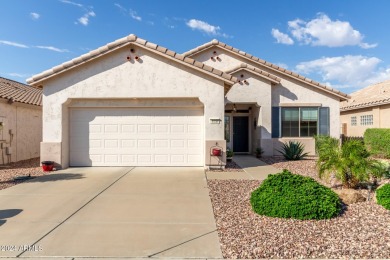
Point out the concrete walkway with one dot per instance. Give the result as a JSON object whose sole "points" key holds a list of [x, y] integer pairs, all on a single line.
{"points": [[110, 212], [254, 169]]}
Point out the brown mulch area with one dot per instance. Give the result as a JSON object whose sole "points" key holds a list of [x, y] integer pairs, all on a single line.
{"points": [[22, 168], [230, 166], [362, 231]]}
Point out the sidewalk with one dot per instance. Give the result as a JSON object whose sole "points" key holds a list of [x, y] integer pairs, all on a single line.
{"points": [[254, 169]]}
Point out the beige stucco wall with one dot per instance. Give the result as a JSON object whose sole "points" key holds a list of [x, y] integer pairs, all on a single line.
{"points": [[25, 122], [113, 77], [381, 119], [288, 91]]}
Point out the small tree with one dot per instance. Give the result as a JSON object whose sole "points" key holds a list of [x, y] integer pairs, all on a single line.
{"points": [[349, 162]]}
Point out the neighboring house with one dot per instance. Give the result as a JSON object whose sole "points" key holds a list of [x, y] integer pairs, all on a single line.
{"points": [[20, 121], [134, 103], [367, 108]]}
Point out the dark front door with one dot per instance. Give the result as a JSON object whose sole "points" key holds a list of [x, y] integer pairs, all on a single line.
{"points": [[240, 134]]}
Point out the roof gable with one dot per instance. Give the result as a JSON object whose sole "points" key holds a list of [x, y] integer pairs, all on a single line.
{"points": [[126, 41], [256, 71], [20, 92], [265, 64]]}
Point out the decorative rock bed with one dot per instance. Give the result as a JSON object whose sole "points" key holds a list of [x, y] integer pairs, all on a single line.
{"points": [[20, 169], [361, 231]]}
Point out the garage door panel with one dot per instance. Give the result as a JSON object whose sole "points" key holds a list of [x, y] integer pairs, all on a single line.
{"points": [[161, 128], [161, 143], [136, 137], [128, 129], [111, 129], [128, 143]]}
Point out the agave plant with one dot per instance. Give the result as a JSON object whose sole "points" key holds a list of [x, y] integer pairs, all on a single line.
{"points": [[293, 150]]}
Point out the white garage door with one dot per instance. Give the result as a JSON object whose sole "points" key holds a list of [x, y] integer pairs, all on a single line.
{"points": [[136, 137]]}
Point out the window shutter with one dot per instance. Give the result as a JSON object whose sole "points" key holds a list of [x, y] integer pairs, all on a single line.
{"points": [[324, 128], [275, 122]]}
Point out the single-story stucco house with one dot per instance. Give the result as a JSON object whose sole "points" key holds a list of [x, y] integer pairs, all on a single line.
{"points": [[368, 108], [20, 121], [135, 103]]}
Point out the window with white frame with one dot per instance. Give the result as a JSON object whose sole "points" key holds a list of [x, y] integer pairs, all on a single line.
{"points": [[366, 120], [353, 120]]}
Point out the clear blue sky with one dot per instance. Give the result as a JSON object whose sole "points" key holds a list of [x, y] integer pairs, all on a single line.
{"points": [[345, 44]]}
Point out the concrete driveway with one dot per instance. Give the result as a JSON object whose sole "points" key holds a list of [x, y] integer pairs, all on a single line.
{"points": [[110, 212]]}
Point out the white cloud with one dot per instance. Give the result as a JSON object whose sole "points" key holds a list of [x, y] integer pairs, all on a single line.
{"points": [[281, 37], [34, 16], [322, 31], [51, 48], [206, 28], [84, 20], [203, 27], [120, 7], [71, 3], [15, 44], [133, 14], [346, 71]]}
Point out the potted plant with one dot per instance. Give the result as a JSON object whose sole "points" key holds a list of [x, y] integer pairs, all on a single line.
{"points": [[47, 166], [229, 154], [259, 152]]}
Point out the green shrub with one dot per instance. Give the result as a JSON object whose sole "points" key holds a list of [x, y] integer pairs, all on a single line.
{"points": [[324, 140], [293, 150], [349, 162], [377, 141], [259, 151], [286, 195], [229, 153], [383, 196], [383, 168]]}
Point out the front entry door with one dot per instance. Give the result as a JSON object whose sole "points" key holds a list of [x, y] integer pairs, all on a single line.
{"points": [[240, 134]]}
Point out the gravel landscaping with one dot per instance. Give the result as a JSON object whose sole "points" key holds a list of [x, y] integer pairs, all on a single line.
{"points": [[22, 168], [361, 231]]}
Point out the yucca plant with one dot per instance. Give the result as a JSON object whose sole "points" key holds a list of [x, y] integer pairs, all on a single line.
{"points": [[349, 162], [293, 150]]}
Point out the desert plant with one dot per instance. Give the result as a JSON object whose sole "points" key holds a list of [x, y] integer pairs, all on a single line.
{"points": [[286, 195], [259, 152], [349, 162], [229, 153], [377, 141], [384, 166], [383, 196], [293, 150], [321, 140]]}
